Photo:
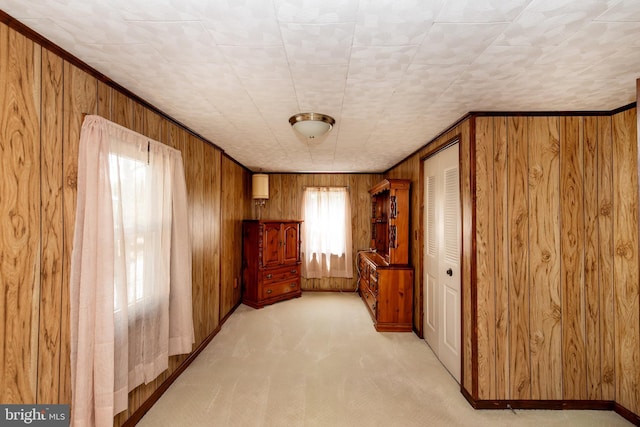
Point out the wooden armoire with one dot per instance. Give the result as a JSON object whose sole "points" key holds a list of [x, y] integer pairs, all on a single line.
{"points": [[270, 261]]}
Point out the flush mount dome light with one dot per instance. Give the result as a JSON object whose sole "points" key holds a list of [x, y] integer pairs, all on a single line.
{"points": [[312, 125]]}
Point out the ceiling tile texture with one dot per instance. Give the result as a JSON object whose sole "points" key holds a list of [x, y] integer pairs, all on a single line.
{"points": [[393, 73]]}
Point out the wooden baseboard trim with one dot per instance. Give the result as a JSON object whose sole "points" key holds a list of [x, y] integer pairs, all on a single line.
{"points": [[144, 408], [627, 414], [594, 405]]}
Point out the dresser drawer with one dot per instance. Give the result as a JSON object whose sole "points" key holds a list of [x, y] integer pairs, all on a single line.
{"points": [[363, 266], [281, 288], [363, 284], [371, 302], [373, 281], [280, 274]]}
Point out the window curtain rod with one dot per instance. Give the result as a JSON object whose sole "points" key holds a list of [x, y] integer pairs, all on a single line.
{"points": [[149, 140]]}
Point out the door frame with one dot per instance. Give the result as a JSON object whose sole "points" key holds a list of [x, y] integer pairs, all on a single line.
{"points": [[434, 150], [451, 357]]}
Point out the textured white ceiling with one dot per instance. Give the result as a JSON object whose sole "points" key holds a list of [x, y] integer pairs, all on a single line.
{"points": [[393, 73]]}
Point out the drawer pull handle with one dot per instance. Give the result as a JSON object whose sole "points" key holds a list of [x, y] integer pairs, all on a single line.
{"points": [[269, 276], [269, 291], [294, 271], [293, 285]]}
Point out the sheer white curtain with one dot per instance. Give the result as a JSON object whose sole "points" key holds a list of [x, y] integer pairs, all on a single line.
{"points": [[326, 232], [130, 270]]}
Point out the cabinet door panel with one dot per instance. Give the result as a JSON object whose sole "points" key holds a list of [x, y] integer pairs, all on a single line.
{"points": [[271, 253], [291, 244]]}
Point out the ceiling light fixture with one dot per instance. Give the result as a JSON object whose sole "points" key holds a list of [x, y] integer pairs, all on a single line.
{"points": [[312, 125]]}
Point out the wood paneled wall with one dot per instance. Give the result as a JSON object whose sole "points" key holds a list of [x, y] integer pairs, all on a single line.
{"points": [[42, 101], [626, 288], [20, 214], [559, 214], [552, 308], [285, 202], [236, 191]]}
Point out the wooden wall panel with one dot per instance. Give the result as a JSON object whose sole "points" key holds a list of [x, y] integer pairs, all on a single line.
{"points": [[199, 235], [234, 179], [361, 225], [572, 247], [210, 268], [229, 277], [138, 118], [501, 259], [625, 226], [485, 253], [292, 202], [213, 214], [605, 258], [193, 154], [79, 98], [176, 139], [104, 100], [122, 110], [520, 374], [19, 215], [153, 126], [544, 258], [52, 232], [466, 132], [591, 268], [248, 202]]}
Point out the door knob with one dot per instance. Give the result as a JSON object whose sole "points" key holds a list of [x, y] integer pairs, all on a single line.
{"points": [[449, 272]]}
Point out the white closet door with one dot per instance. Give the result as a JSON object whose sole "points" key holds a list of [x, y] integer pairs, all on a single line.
{"points": [[430, 280], [442, 258]]}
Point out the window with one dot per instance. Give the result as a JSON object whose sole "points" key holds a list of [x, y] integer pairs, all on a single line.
{"points": [[130, 268], [142, 218], [326, 233], [133, 225]]}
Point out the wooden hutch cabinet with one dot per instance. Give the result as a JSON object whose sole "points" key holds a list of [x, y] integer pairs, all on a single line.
{"points": [[385, 278], [270, 261]]}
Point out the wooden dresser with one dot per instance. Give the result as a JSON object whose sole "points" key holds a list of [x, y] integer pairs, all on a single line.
{"points": [[270, 261], [385, 278]]}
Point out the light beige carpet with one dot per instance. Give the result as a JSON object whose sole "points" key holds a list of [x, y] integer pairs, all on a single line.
{"points": [[318, 361]]}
